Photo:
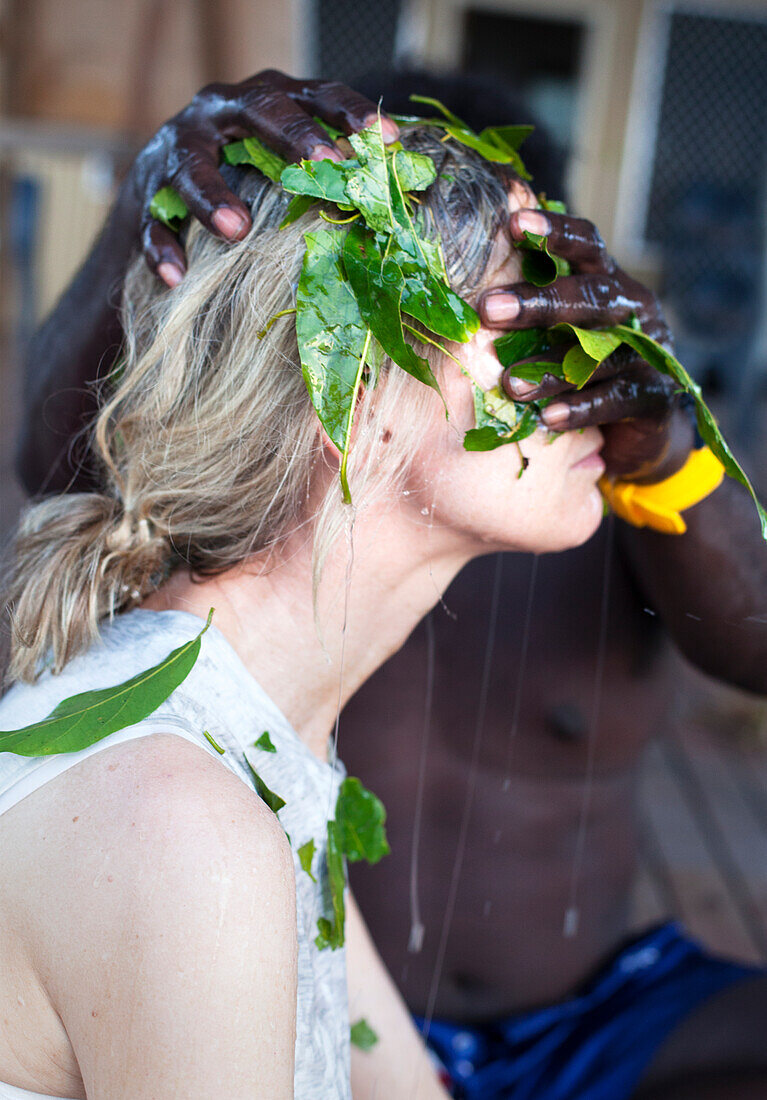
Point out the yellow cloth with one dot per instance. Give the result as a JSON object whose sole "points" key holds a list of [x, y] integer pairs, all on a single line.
{"points": [[659, 505]]}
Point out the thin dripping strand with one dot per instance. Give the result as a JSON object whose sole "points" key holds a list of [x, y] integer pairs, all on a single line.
{"points": [[416, 924], [469, 799], [521, 670], [571, 918]]}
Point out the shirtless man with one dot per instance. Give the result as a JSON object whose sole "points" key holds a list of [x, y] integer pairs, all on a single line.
{"points": [[520, 1010]]}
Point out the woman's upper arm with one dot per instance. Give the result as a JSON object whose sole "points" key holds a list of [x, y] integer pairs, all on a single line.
{"points": [[166, 926]]}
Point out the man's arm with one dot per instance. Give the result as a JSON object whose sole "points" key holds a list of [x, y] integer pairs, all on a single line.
{"points": [[80, 340], [398, 1064], [710, 584]]}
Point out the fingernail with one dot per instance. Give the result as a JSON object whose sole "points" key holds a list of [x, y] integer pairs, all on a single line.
{"points": [[170, 273], [500, 308], [325, 152], [229, 222], [534, 222], [520, 387], [554, 416]]}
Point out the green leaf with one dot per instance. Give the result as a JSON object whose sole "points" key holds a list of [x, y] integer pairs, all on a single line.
{"points": [[318, 179], [82, 720], [331, 131], [596, 343], [523, 344], [168, 207], [539, 266], [378, 284], [361, 819], [264, 742], [430, 101], [657, 356], [331, 930], [556, 206], [305, 856], [251, 151], [491, 143], [362, 1035], [501, 407], [511, 137], [208, 737], [415, 171], [333, 339], [578, 366], [297, 207], [273, 801]]}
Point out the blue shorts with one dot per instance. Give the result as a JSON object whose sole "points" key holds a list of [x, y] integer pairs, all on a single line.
{"points": [[597, 1044]]}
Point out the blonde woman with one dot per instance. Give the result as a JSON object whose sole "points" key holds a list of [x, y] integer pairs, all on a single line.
{"points": [[158, 925]]}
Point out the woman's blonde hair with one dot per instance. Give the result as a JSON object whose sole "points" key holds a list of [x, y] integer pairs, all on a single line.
{"points": [[207, 440]]}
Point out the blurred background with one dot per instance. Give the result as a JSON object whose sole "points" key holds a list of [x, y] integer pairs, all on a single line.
{"points": [[659, 111]]}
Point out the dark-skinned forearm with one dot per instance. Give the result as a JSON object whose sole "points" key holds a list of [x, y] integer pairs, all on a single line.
{"points": [[710, 585], [75, 346]]}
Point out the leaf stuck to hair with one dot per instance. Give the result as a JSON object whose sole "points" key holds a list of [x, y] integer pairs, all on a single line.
{"points": [[264, 742]]}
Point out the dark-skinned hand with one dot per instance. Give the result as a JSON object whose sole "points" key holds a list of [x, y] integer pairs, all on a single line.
{"points": [[648, 433], [184, 153]]}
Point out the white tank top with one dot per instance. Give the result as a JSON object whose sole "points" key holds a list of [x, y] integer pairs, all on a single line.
{"points": [[219, 696]]}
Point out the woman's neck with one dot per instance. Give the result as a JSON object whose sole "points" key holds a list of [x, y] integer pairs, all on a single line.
{"points": [[377, 583]]}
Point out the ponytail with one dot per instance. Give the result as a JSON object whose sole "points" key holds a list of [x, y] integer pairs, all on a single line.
{"points": [[78, 558]]}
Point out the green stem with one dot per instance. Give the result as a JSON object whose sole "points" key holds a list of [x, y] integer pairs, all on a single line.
{"points": [[434, 343], [347, 434], [283, 313]]}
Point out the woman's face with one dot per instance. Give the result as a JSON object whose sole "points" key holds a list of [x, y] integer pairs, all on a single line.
{"points": [[482, 500]]}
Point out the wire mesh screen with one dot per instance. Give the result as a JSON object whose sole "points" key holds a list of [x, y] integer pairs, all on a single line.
{"points": [[355, 36], [707, 195]]}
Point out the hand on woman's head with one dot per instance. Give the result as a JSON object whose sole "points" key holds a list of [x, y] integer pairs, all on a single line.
{"points": [[648, 435], [184, 153]]}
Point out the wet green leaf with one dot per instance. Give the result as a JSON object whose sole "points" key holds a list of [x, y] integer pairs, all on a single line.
{"points": [[297, 207], [273, 801], [318, 179], [306, 855], [331, 131], [82, 720], [333, 339], [523, 344], [511, 137], [264, 742], [361, 819], [331, 930], [491, 143], [251, 151], [378, 285], [556, 206], [540, 266], [363, 1036], [168, 207]]}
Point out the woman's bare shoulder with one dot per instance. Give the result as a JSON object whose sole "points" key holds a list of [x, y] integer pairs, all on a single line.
{"points": [[156, 819], [138, 871]]}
